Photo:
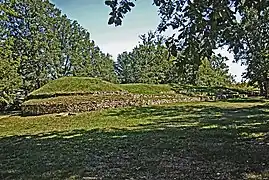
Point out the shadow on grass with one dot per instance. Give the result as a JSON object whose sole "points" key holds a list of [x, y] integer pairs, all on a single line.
{"points": [[205, 89], [9, 113], [13, 113], [179, 142], [246, 100]]}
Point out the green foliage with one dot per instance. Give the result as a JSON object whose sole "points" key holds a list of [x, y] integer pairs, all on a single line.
{"points": [[206, 75], [251, 47], [39, 44], [150, 62], [9, 78], [202, 26], [118, 10], [214, 72]]}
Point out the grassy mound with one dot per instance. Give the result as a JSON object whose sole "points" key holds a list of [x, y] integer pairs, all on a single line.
{"points": [[69, 86], [75, 85], [76, 94], [147, 88], [75, 104], [80, 94]]}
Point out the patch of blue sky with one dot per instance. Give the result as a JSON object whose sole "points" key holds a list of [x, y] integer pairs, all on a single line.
{"points": [[93, 15]]}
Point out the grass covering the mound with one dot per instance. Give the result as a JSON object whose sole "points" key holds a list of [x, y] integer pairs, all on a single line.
{"points": [[85, 85], [216, 140], [74, 85], [69, 86], [147, 88]]}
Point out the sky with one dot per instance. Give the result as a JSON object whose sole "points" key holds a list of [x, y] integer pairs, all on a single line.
{"points": [[93, 16]]}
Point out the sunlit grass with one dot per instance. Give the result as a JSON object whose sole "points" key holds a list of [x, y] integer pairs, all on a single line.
{"points": [[216, 140], [76, 85], [119, 118], [147, 88]]}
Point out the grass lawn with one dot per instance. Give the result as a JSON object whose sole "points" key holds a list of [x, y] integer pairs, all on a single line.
{"points": [[86, 85], [147, 88], [68, 85], [222, 140]]}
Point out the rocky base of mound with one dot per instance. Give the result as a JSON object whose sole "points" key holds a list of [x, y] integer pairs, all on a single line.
{"points": [[98, 102]]}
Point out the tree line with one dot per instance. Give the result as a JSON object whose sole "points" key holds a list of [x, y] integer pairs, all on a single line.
{"points": [[202, 26], [152, 62], [38, 43]]}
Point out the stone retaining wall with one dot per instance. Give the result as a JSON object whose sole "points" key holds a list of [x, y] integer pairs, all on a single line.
{"points": [[131, 100]]}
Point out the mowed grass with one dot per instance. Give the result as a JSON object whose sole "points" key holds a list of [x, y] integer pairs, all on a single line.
{"points": [[76, 85], [147, 88], [217, 140], [86, 85]]}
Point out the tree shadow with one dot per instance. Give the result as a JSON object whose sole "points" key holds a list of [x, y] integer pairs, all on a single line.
{"points": [[9, 113], [245, 100], [179, 142]]}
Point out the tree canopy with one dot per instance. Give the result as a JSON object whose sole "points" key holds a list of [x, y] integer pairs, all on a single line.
{"points": [[151, 62], [39, 43], [202, 26], [251, 47]]}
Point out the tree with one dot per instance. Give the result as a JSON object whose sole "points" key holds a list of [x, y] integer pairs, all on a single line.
{"points": [[214, 72], [9, 78], [39, 44], [251, 47], [34, 40], [149, 62], [125, 68], [202, 26]]}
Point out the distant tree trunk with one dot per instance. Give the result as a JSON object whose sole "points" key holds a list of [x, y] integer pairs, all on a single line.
{"points": [[266, 88], [38, 74], [24, 87], [261, 85], [38, 83]]}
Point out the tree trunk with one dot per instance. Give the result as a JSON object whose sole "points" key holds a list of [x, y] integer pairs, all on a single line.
{"points": [[266, 88], [261, 84], [38, 83]]}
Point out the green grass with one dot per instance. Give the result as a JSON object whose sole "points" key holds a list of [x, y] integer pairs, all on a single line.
{"points": [[147, 88], [220, 140], [212, 91], [80, 85], [76, 85], [80, 89]]}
